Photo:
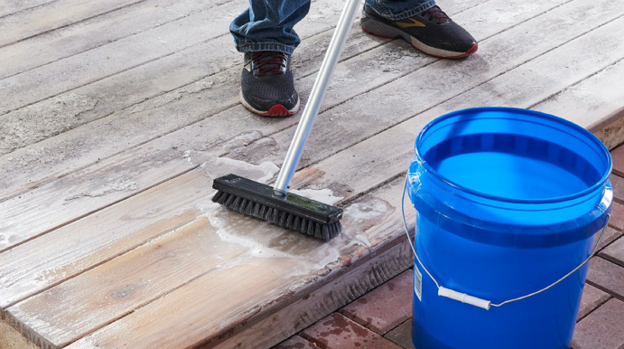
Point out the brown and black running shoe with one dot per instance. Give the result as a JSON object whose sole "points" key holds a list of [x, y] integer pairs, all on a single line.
{"points": [[432, 32], [267, 86]]}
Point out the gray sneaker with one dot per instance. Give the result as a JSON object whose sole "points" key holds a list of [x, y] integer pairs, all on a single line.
{"points": [[432, 32], [267, 86]]}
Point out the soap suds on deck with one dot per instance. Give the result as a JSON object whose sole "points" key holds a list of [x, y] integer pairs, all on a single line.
{"points": [[217, 167], [262, 240], [325, 196]]}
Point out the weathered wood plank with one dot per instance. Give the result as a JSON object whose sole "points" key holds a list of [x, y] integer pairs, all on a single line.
{"points": [[159, 267], [112, 290], [371, 162], [253, 283], [124, 95], [260, 149], [423, 89], [69, 110], [589, 101], [128, 53], [612, 135], [93, 65], [19, 222], [55, 15], [85, 191], [9, 7], [94, 145], [94, 32], [107, 234]]}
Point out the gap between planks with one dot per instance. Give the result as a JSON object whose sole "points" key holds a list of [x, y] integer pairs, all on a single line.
{"points": [[4, 12], [309, 79], [97, 106], [417, 57], [109, 27]]}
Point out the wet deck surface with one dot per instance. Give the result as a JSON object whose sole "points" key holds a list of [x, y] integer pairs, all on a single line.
{"points": [[115, 117]]}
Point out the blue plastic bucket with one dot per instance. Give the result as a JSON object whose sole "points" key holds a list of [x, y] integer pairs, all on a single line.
{"points": [[508, 202]]}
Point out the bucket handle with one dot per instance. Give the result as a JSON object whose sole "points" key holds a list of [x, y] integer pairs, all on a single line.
{"points": [[479, 302]]}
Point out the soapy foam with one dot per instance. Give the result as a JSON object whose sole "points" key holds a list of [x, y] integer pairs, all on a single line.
{"points": [[325, 196]]}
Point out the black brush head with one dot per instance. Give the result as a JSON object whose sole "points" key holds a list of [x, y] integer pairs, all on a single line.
{"points": [[290, 211]]}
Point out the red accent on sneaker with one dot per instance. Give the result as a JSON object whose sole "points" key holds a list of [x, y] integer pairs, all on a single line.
{"points": [[278, 110], [377, 35]]}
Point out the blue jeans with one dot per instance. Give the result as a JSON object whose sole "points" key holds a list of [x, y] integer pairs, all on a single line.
{"points": [[267, 25]]}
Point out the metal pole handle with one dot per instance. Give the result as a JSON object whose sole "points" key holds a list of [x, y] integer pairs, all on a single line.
{"points": [[316, 96]]}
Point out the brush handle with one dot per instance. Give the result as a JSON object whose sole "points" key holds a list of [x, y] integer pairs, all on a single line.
{"points": [[316, 96]]}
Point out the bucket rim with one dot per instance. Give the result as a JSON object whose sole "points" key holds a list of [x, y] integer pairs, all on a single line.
{"points": [[519, 111]]}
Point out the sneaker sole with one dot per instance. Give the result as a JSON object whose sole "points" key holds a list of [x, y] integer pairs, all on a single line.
{"points": [[377, 28], [276, 110]]}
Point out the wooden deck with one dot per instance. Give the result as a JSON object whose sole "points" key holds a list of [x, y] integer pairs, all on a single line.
{"points": [[116, 115]]}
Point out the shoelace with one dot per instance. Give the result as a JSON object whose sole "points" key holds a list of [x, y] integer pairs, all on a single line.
{"points": [[269, 63], [436, 13]]}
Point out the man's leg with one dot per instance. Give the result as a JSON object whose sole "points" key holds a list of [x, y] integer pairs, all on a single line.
{"points": [[264, 32], [419, 22]]}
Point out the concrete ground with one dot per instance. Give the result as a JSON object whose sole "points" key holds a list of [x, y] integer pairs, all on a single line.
{"points": [[382, 318]]}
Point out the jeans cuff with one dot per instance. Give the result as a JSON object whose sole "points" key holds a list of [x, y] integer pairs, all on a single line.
{"points": [[404, 14], [265, 46]]}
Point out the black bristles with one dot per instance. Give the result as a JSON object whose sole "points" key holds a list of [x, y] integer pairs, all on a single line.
{"points": [[241, 206], [257, 210], [289, 221], [234, 204], [287, 210], [249, 208], [275, 216], [282, 219], [218, 196], [261, 211], [228, 201], [297, 223], [275, 213], [324, 232]]}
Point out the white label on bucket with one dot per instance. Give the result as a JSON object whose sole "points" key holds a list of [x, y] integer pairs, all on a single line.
{"points": [[418, 283]]}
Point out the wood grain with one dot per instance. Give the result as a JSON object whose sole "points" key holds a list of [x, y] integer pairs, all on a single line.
{"points": [[127, 53], [80, 189], [355, 138], [94, 32], [189, 103], [249, 278], [114, 289], [9, 7], [104, 61], [52, 16], [83, 192], [399, 100], [84, 244], [371, 162], [222, 123]]}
